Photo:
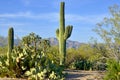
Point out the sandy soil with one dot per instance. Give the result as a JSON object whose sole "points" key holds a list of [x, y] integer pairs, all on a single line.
{"points": [[84, 75]]}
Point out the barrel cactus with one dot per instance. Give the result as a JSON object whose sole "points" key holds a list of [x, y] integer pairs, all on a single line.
{"points": [[63, 33]]}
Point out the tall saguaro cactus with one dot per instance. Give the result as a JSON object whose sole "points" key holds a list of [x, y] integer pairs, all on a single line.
{"points": [[63, 33], [10, 42]]}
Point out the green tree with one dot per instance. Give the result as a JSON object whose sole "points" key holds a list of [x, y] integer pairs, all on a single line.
{"points": [[109, 31]]}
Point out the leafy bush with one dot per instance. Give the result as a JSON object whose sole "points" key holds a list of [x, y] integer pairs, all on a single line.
{"points": [[113, 70], [83, 65], [86, 57], [71, 57], [74, 60]]}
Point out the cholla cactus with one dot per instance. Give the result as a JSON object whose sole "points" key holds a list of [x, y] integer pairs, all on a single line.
{"points": [[63, 34]]}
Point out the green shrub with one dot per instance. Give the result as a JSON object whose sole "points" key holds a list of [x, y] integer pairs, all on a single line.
{"points": [[113, 70], [71, 57], [83, 65], [3, 50], [53, 54]]}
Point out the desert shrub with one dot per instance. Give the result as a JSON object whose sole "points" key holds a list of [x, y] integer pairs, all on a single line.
{"points": [[100, 64], [113, 70], [71, 57], [84, 58], [53, 54], [3, 50], [82, 65], [76, 60], [30, 60]]}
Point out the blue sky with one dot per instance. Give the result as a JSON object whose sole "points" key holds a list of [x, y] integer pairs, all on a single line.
{"points": [[42, 17]]}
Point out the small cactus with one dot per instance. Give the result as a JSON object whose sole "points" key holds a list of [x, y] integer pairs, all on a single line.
{"points": [[63, 34], [10, 43]]}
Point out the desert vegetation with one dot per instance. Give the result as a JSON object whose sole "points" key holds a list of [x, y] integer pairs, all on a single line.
{"points": [[35, 58]]}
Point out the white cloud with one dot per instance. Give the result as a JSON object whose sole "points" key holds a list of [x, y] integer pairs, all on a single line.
{"points": [[11, 15], [11, 24], [47, 16], [74, 18], [85, 19]]}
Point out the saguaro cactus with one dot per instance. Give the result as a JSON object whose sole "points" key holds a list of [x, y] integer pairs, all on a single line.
{"points": [[10, 42], [63, 34]]}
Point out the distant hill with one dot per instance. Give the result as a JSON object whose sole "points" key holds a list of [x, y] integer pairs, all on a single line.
{"points": [[4, 41], [53, 41], [69, 43]]}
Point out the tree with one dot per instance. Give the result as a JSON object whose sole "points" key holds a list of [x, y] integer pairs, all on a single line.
{"points": [[109, 31]]}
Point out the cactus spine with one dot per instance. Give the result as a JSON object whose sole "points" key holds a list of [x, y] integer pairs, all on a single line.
{"points": [[10, 43], [63, 34]]}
